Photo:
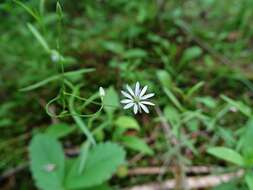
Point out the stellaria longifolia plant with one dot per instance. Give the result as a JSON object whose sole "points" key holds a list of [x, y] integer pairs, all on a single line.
{"points": [[96, 162]]}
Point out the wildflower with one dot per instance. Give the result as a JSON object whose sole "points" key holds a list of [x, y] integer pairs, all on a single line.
{"points": [[101, 92], [137, 98]]}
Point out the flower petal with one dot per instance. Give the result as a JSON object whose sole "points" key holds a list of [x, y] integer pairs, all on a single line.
{"points": [[137, 89], [143, 91], [135, 108], [147, 96], [130, 90], [147, 103], [126, 94], [128, 105], [126, 101], [145, 108]]}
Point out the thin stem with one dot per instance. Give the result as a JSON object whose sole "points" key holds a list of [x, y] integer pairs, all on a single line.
{"points": [[78, 120]]}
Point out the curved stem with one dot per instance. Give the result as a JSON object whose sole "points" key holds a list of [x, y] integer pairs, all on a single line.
{"points": [[78, 120]]}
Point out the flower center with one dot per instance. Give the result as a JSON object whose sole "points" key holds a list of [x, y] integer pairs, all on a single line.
{"points": [[136, 99]]}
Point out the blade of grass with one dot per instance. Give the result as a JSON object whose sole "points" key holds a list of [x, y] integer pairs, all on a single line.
{"points": [[38, 36], [28, 9], [55, 77]]}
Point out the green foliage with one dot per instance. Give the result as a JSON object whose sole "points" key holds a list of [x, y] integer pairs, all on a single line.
{"points": [[59, 130], [47, 162], [247, 139], [102, 161], [111, 101], [249, 180], [199, 51], [93, 167], [136, 144], [227, 154], [126, 122]]}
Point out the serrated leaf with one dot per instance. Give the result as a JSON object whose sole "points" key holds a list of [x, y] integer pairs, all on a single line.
{"points": [[47, 162], [59, 130], [227, 154], [136, 144], [102, 161]]}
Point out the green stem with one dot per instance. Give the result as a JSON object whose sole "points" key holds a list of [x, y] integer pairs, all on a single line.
{"points": [[78, 119]]}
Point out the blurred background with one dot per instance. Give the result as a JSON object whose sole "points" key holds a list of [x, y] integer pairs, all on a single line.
{"points": [[196, 55]]}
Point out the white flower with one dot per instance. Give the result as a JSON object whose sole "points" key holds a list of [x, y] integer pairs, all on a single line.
{"points": [[137, 98], [101, 92]]}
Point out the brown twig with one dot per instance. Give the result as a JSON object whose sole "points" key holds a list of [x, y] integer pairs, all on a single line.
{"points": [[192, 182], [158, 170], [179, 172]]}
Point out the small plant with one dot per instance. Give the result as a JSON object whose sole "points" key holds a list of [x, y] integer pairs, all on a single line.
{"points": [[243, 157]]}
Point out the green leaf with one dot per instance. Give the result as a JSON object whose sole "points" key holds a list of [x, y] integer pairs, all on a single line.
{"points": [[136, 144], [78, 119], [208, 101], [59, 130], [172, 115], [59, 10], [191, 53], [38, 36], [247, 148], [47, 162], [173, 99], [114, 47], [227, 154], [28, 9], [249, 180], [195, 88], [164, 78], [56, 77], [84, 152], [102, 161], [125, 122], [135, 53], [238, 105], [111, 101]]}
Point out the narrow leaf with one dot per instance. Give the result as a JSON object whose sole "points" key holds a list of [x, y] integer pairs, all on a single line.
{"points": [[55, 77], [227, 154], [136, 144], [38, 36]]}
